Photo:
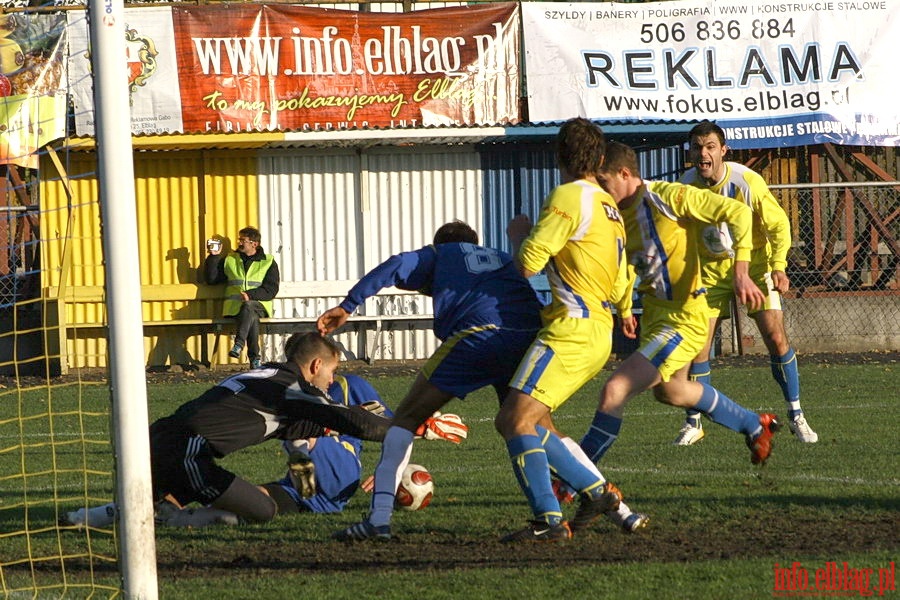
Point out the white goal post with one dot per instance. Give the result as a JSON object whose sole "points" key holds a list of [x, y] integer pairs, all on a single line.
{"points": [[137, 553]]}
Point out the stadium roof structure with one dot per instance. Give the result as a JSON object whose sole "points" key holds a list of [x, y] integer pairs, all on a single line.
{"points": [[641, 134]]}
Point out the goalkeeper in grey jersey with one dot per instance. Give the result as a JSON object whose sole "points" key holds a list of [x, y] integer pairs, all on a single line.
{"points": [[278, 401]]}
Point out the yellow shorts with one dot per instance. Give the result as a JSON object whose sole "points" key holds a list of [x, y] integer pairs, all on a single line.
{"points": [[671, 338], [566, 354], [719, 296]]}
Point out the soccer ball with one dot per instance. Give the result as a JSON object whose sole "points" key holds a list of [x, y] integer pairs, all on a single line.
{"points": [[415, 490]]}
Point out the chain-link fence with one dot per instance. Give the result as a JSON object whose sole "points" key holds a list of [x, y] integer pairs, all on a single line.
{"points": [[18, 256], [844, 267]]}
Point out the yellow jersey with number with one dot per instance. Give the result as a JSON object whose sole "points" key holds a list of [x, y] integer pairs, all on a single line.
{"points": [[580, 239], [661, 230]]}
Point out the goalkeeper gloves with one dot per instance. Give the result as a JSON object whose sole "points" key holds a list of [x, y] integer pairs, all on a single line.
{"points": [[373, 406], [447, 427]]}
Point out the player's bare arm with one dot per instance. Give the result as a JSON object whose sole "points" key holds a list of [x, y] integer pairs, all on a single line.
{"points": [[331, 319], [517, 231], [629, 327], [780, 281], [745, 290]]}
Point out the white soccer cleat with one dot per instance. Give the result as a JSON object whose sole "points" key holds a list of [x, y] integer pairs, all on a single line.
{"points": [[800, 428], [689, 435], [627, 520], [78, 518], [635, 521], [202, 516], [99, 516]]}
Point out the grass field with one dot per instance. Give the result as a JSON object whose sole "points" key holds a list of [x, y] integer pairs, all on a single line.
{"points": [[718, 525]]}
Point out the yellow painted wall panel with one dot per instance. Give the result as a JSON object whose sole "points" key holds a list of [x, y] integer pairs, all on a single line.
{"points": [[182, 198]]}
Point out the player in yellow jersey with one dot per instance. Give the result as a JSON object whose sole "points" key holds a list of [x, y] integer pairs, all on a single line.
{"points": [[768, 259], [579, 239], [662, 250]]}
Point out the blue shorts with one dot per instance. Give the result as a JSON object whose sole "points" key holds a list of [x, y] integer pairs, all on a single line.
{"points": [[474, 358]]}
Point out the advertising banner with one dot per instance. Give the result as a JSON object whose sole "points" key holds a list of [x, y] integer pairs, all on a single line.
{"points": [[32, 85], [152, 71], [252, 68], [771, 72]]}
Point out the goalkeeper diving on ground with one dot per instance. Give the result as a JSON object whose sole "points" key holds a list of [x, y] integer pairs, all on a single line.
{"points": [[284, 401]]}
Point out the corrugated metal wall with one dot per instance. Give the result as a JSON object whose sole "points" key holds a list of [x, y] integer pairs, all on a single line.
{"points": [[410, 193], [182, 198], [666, 164], [328, 215], [517, 177], [71, 229], [309, 211], [338, 213]]}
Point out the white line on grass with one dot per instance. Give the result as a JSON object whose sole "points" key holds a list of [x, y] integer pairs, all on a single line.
{"points": [[706, 474]]}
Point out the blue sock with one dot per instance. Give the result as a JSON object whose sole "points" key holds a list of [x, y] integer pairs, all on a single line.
{"points": [[529, 461], [726, 412], [786, 374], [567, 467], [699, 372], [600, 436]]}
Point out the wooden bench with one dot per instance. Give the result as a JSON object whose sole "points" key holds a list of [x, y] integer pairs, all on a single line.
{"points": [[368, 320]]}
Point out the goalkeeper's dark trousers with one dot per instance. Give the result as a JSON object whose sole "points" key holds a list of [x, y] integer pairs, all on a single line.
{"points": [[248, 327]]}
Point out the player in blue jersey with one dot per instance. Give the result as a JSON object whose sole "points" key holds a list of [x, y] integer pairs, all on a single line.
{"points": [[336, 467], [486, 316]]}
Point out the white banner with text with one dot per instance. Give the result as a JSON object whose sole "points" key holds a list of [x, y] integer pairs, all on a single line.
{"points": [[771, 73]]}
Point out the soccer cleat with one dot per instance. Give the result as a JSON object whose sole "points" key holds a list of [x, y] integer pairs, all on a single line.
{"points": [[163, 511], [235, 351], [197, 517], [800, 428], [591, 508], [689, 435], [77, 518], [540, 531], [255, 363], [101, 516], [635, 521], [361, 531], [761, 445], [302, 472], [563, 492]]}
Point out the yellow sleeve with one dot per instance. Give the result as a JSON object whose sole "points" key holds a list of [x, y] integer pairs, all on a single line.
{"points": [[623, 290], [555, 226], [704, 205], [774, 220]]}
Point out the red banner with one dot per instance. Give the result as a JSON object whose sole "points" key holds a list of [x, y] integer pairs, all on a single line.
{"points": [[259, 68]]}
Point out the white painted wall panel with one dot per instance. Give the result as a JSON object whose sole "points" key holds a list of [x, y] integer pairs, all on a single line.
{"points": [[412, 192], [332, 215]]}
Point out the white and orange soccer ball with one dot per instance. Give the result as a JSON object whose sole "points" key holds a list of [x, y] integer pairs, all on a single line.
{"points": [[415, 490]]}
